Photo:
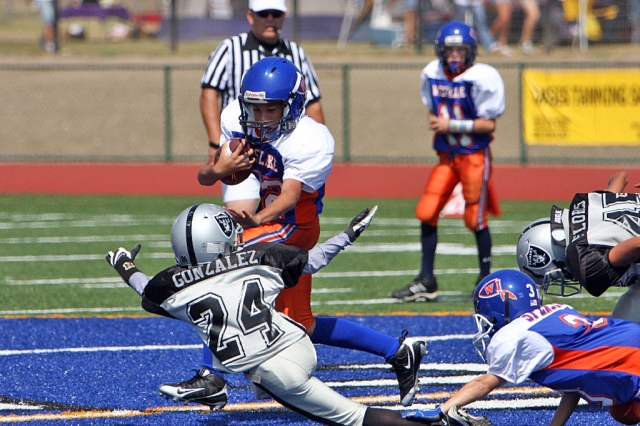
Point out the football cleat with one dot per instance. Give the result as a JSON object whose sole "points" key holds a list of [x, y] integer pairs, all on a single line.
{"points": [[419, 290], [203, 388], [457, 416], [406, 365]]}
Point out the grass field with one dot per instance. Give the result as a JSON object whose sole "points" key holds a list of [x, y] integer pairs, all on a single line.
{"points": [[76, 348], [52, 252]]}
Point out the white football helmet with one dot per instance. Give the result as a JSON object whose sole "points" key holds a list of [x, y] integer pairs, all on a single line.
{"points": [[542, 257], [202, 233]]}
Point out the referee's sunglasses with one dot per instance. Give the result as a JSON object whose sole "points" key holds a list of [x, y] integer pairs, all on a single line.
{"points": [[265, 13]]}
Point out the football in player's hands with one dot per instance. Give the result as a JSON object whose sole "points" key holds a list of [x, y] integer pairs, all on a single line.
{"points": [[231, 146]]}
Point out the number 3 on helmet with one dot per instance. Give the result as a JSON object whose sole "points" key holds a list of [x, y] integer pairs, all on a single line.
{"points": [[500, 298]]}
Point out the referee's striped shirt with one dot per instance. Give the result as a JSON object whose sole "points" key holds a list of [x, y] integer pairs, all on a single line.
{"points": [[235, 55]]}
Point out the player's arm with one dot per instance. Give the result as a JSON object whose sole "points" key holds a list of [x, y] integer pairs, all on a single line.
{"points": [[568, 403], [474, 390], [322, 254], [625, 253], [447, 125], [314, 110], [122, 261], [289, 195], [210, 110], [228, 163], [617, 182]]}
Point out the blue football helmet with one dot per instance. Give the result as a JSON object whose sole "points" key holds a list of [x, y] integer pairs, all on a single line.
{"points": [[271, 79], [500, 298], [456, 33]]}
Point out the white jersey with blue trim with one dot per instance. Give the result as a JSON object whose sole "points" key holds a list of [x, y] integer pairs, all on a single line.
{"points": [[487, 92], [307, 151], [559, 348]]}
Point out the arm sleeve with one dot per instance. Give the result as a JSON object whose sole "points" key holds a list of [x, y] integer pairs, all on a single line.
{"points": [[322, 254], [138, 282]]}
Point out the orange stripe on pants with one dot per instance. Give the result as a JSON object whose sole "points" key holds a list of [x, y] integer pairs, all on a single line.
{"points": [[294, 302]]}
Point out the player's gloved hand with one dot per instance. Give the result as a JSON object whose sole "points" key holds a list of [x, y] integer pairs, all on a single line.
{"points": [[425, 416], [122, 261], [457, 416], [360, 223]]}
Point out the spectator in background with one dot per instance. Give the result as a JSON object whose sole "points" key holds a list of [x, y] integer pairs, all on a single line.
{"points": [[479, 14], [502, 25], [223, 74], [531, 9], [47, 17], [634, 17], [409, 16]]}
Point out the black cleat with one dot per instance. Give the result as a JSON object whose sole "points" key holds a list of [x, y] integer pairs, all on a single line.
{"points": [[406, 365], [203, 388], [419, 290]]}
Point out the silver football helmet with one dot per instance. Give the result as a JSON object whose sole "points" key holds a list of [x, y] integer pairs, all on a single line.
{"points": [[202, 233], [541, 256]]}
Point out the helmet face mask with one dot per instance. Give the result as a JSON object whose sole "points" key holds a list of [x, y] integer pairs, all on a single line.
{"points": [[202, 233], [271, 80], [500, 298], [456, 34], [540, 254]]}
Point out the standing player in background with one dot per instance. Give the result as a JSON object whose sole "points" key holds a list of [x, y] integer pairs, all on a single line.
{"points": [[463, 100], [602, 249], [223, 75], [226, 292], [294, 158], [553, 345]]}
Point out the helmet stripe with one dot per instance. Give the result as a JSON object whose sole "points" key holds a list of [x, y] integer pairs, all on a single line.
{"points": [[189, 227]]}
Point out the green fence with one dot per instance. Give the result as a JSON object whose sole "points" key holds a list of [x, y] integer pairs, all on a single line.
{"points": [[150, 112]]}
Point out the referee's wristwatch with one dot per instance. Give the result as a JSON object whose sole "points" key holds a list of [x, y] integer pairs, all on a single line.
{"points": [[214, 145]]}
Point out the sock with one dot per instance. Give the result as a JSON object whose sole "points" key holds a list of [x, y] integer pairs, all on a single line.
{"points": [[207, 360], [429, 241], [207, 357], [346, 334], [483, 240]]}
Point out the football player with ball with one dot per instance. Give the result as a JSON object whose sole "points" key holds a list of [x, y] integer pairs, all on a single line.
{"points": [[292, 154]]}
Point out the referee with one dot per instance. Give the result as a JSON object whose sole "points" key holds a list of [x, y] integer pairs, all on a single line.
{"points": [[235, 55]]}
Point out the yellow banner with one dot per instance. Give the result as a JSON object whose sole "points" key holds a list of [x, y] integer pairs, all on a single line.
{"points": [[586, 107]]}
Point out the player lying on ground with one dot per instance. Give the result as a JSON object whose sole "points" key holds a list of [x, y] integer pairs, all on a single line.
{"points": [[553, 345], [594, 244], [227, 293]]}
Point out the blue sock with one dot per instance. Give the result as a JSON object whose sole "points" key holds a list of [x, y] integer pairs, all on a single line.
{"points": [[428, 241], [207, 357], [346, 334], [483, 239]]}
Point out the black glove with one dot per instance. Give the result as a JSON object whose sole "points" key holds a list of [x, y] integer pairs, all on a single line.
{"points": [[122, 262], [360, 223]]}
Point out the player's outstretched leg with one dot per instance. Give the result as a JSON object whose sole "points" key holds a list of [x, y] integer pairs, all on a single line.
{"points": [[406, 365], [204, 388]]}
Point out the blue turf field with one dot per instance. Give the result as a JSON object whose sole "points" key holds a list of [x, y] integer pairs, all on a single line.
{"points": [[106, 371]]}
